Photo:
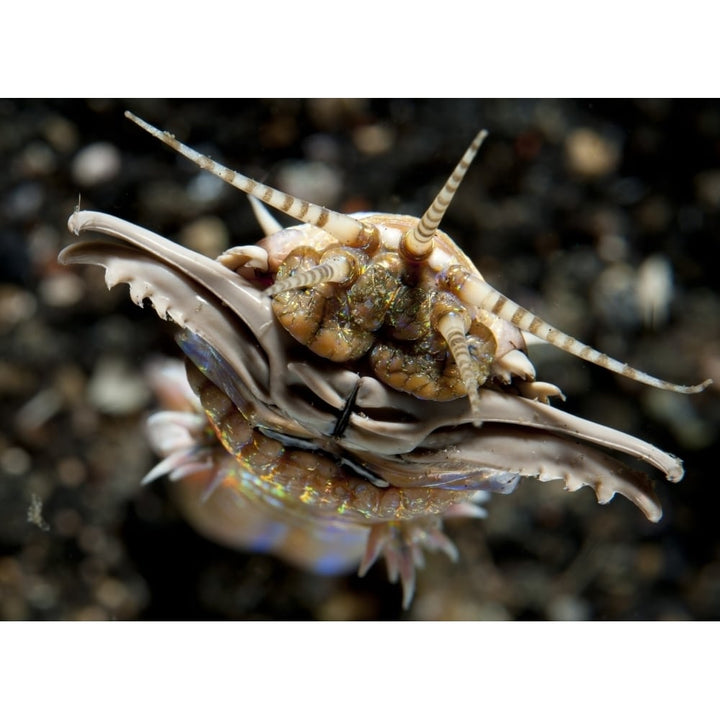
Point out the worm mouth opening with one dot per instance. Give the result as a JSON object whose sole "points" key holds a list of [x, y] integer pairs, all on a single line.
{"points": [[207, 328]]}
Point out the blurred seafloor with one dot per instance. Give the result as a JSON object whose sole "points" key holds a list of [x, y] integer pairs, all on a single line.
{"points": [[577, 210]]}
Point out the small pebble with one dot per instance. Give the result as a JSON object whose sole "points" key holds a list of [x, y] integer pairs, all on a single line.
{"points": [[111, 594], [37, 160], [61, 289], [612, 248], [71, 471], [116, 389], [16, 305], [15, 461], [38, 410], [61, 133], [330, 113], [43, 242], [24, 201], [41, 593], [654, 290], [67, 522], [206, 235], [707, 188], [95, 164], [590, 154], [568, 608], [373, 139], [205, 188], [322, 147], [314, 181]]}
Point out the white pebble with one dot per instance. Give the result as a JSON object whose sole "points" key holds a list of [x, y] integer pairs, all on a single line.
{"points": [[96, 163], [654, 290], [116, 389], [314, 181]]}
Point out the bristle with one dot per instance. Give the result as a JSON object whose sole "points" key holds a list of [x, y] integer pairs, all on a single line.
{"points": [[406, 567], [438, 539], [376, 541]]}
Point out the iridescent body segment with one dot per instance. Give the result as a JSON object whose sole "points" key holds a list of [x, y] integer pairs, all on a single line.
{"points": [[355, 381], [310, 483], [312, 509]]}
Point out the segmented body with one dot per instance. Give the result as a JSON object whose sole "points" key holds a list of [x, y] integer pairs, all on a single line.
{"points": [[307, 482], [357, 378]]}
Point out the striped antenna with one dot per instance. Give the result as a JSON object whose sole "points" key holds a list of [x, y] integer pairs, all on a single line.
{"points": [[452, 328], [336, 269], [418, 243], [475, 291], [345, 229]]}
